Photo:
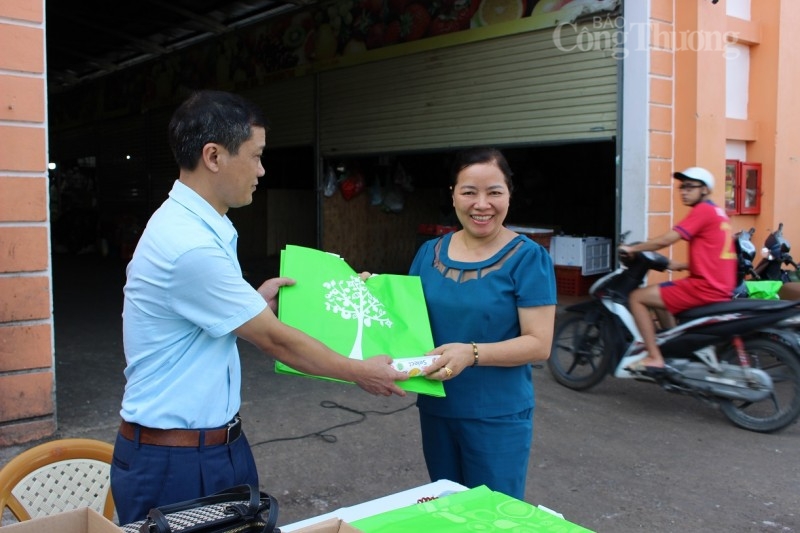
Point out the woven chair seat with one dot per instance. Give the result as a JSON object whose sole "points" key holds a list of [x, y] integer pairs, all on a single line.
{"points": [[57, 476], [64, 486]]}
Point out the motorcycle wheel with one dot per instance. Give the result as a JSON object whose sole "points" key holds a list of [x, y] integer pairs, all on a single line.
{"points": [[783, 406], [580, 357]]}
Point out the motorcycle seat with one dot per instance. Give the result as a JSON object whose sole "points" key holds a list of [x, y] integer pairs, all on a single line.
{"points": [[733, 306]]}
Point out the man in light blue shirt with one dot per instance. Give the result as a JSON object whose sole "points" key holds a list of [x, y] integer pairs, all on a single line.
{"points": [[186, 303]]}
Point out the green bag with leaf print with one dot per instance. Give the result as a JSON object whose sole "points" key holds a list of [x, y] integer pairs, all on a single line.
{"points": [[386, 315]]}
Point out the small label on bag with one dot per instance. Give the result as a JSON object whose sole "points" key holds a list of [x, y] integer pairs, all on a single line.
{"points": [[413, 365]]}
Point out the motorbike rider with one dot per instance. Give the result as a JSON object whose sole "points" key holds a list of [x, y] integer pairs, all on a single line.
{"points": [[711, 266]]}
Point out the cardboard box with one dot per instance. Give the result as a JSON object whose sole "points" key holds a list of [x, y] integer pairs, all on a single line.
{"points": [[82, 520], [331, 525]]}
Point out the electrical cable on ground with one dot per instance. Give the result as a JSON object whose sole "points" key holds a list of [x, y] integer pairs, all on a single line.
{"points": [[323, 433]]}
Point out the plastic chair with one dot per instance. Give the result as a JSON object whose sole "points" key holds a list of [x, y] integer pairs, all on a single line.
{"points": [[58, 476]]}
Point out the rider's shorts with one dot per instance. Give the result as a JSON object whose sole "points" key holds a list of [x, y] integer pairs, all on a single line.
{"points": [[686, 293]]}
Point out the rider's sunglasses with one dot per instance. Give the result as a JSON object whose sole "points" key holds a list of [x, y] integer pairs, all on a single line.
{"points": [[689, 187]]}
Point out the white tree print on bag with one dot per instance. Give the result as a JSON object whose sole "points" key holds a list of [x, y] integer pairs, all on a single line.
{"points": [[352, 301]]}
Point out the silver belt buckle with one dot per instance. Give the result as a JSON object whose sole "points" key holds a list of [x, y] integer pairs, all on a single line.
{"points": [[235, 422]]}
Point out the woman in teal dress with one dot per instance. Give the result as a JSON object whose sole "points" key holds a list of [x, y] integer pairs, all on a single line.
{"points": [[491, 298]]}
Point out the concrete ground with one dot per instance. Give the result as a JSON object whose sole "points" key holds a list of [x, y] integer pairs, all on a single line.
{"points": [[622, 457]]}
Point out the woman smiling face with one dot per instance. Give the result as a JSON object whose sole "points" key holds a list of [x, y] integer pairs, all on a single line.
{"points": [[481, 198]]}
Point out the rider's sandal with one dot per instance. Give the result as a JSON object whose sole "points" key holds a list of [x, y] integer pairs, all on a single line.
{"points": [[649, 371], [638, 366]]}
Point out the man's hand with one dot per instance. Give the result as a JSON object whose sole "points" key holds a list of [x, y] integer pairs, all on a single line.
{"points": [[377, 376], [625, 251], [269, 291]]}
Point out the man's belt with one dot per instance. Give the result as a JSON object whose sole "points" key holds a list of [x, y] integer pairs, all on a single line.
{"points": [[186, 438]]}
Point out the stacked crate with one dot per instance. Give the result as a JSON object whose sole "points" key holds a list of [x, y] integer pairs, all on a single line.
{"points": [[579, 262]]}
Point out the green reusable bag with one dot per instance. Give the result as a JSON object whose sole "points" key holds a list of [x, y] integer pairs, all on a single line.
{"points": [[384, 315], [763, 289], [478, 509]]}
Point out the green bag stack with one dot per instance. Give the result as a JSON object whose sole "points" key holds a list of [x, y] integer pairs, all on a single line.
{"points": [[478, 509]]}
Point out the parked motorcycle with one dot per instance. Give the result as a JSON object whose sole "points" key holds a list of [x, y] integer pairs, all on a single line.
{"points": [[769, 271], [776, 255], [745, 254], [740, 356]]}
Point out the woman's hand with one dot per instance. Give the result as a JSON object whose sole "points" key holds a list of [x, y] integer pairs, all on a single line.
{"points": [[453, 359], [533, 344]]}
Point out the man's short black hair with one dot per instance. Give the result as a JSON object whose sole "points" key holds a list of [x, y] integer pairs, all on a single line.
{"points": [[212, 116]]}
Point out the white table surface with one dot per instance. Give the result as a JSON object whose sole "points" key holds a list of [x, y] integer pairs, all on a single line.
{"points": [[381, 505]]}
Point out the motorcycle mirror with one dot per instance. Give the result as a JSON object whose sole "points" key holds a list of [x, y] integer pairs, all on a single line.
{"points": [[776, 243], [747, 248]]}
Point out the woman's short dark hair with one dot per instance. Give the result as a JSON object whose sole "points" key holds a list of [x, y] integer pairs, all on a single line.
{"points": [[475, 156], [211, 116]]}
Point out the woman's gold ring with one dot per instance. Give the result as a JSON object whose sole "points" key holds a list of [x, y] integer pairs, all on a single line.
{"points": [[448, 371]]}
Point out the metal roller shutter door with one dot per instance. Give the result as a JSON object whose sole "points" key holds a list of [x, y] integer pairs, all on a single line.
{"points": [[517, 89]]}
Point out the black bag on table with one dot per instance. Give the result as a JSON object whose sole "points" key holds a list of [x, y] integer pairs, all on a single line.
{"points": [[242, 509]]}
